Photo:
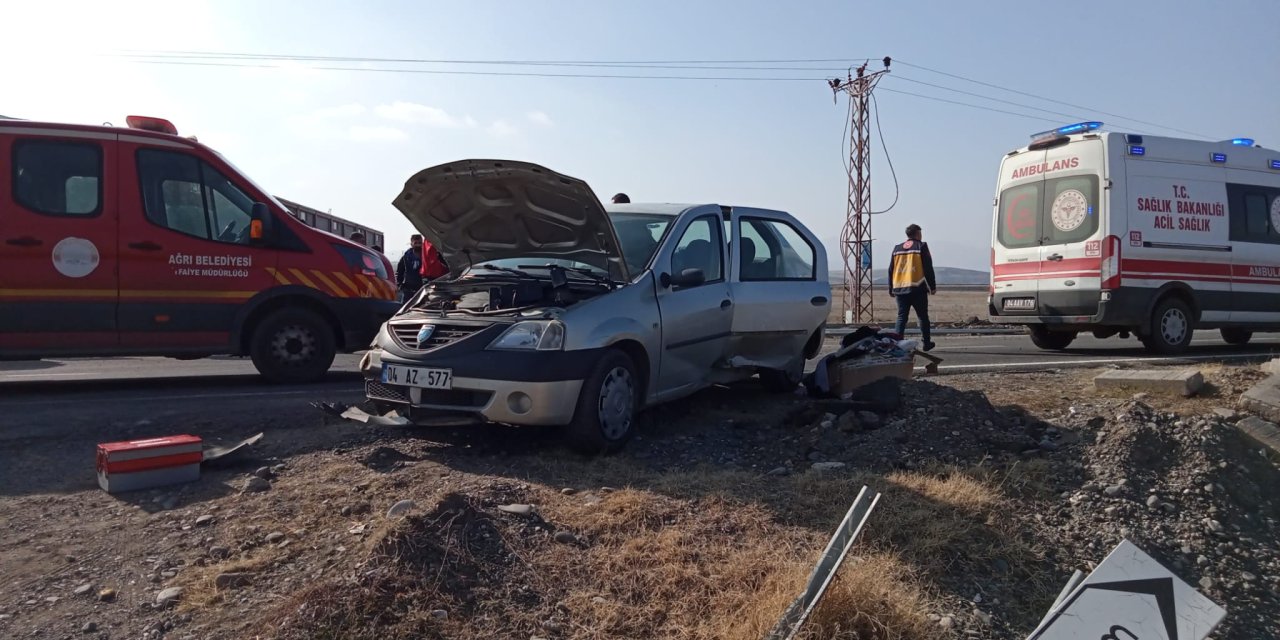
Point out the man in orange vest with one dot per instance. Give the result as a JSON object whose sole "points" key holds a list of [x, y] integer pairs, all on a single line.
{"points": [[911, 281]]}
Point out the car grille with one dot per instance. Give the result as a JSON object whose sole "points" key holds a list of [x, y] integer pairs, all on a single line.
{"points": [[457, 398], [445, 334], [378, 391]]}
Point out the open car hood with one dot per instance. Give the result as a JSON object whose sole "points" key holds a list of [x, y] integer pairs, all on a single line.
{"points": [[474, 211]]}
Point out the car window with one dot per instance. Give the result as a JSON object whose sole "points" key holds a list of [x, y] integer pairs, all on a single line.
{"points": [[183, 193], [639, 235], [701, 247], [1070, 209], [774, 250], [58, 178]]}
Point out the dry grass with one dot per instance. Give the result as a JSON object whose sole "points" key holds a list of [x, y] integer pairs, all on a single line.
{"points": [[946, 306], [694, 555]]}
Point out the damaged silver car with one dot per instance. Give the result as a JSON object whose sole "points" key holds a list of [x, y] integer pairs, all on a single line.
{"points": [[560, 311]]}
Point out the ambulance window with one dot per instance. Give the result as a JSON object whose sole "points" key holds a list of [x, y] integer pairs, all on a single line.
{"points": [[1070, 209], [1019, 221], [1256, 215], [58, 178]]}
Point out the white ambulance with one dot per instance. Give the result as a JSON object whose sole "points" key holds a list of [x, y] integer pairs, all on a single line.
{"points": [[1119, 234]]}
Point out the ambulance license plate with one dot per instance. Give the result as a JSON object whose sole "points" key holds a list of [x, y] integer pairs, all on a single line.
{"points": [[417, 377], [1020, 303]]}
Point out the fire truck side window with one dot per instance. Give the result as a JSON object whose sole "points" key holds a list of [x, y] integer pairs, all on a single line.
{"points": [[58, 178], [184, 194]]}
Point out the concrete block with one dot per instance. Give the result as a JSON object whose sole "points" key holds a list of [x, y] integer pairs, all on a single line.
{"points": [[1264, 433], [1272, 367], [1263, 399], [1183, 382]]}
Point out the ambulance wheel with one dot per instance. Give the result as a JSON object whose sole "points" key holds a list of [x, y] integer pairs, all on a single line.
{"points": [[605, 418], [1170, 331], [292, 346], [1231, 335], [1042, 337]]}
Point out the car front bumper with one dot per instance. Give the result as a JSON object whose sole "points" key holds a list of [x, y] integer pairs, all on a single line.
{"points": [[518, 402]]}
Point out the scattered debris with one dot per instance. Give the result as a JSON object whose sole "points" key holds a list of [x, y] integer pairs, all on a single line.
{"points": [[168, 597], [219, 452], [517, 509], [401, 509], [828, 564], [144, 464]]}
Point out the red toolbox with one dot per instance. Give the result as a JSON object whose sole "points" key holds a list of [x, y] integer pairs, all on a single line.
{"points": [[143, 464]]}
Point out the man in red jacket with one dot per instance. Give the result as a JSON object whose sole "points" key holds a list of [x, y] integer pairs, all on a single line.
{"points": [[433, 266]]}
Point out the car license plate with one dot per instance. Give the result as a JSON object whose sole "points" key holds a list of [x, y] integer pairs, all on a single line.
{"points": [[417, 377], [1020, 303]]}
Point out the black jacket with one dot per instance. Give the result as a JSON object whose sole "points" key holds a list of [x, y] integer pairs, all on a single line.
{"points": [[409, 271]]}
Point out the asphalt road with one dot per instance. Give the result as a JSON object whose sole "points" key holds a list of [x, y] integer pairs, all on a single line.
{"points": [[42, 399]]}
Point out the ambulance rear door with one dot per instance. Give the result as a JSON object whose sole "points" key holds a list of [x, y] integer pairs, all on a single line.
{"points": [[1072, 230], [1015, 268]]}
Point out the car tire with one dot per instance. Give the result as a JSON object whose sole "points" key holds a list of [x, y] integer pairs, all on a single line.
{"points": [[1048, 340], [293, 346], [605, 418], [1239, 337], [1171, 328]]}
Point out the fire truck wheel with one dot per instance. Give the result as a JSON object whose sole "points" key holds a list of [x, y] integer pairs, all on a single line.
{"points": [[1171, 328], [1048, 340], [292, 346], [1232, 335]]}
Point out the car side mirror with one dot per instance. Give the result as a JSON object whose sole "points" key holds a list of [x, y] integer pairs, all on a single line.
{"points": [[259, 223], [687, 278]]}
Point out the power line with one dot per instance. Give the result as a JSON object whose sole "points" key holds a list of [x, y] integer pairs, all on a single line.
{"points": [[476, 73], [967, 104], [272, 56], [887, 157], [986, 97], [1039, 97]]}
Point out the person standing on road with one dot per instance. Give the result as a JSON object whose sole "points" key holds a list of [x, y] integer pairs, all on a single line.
{"points": [[409, 269], [911, 282]]}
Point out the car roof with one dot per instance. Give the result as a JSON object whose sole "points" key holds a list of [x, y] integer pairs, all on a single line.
{"points": [[651, 208]]}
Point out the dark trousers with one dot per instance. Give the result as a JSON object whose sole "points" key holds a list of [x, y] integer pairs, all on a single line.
{"points": [[918, 299]]}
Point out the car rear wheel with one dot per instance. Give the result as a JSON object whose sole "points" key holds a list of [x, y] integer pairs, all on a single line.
{"points": [[604, 419], [1171, 328], [1235, 336], [293, 346], [1042, 337], [780, 380]]}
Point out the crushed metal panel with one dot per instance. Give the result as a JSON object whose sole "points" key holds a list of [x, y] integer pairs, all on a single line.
{"points": [[216, 452], [1130, 596], [832, 557]]}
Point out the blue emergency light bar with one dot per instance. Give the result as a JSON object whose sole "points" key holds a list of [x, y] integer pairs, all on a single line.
{"points": [[1242, 142], [1275, 164], [1219, 157], [1079, 127], [1135, 150]]}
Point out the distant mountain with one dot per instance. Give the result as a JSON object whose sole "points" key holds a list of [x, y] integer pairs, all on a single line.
{"points": [[946, 276]]}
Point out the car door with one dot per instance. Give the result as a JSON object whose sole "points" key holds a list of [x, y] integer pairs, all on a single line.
{"points": [[58, 225], [187, 262], [779, 289], [696, 317]]}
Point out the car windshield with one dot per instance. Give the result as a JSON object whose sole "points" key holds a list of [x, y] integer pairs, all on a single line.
{"points": [[639, 234]]}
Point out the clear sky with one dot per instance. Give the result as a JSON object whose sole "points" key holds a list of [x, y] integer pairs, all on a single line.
{"points": [[346, 141]]}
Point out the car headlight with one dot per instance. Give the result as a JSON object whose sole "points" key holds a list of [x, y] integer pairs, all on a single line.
{"points": [[532, 335]]}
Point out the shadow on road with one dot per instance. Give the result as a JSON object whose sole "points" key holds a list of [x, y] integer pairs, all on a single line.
{"points": [[14, 366]]}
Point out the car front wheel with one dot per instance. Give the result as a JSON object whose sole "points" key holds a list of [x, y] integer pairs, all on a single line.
{"points": [[604, 419]]}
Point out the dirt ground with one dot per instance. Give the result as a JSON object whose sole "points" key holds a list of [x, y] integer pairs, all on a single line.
{"points": [[705, 526], [950, 306]]}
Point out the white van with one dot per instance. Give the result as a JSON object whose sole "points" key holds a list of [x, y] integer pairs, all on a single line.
{"points": [[1120, 234]]}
